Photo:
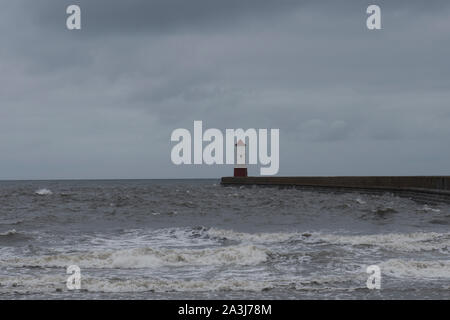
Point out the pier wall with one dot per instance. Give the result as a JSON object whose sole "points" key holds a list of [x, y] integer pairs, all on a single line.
{"points": [[438, 185]]}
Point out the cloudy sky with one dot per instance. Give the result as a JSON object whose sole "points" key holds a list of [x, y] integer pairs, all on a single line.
{"points": [[102, 102]]}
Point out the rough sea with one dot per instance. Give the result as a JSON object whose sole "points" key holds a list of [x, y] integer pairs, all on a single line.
{"points": [[196, 239]]}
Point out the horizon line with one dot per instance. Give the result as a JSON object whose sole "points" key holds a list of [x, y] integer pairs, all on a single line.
{"points": [[105, 179]]}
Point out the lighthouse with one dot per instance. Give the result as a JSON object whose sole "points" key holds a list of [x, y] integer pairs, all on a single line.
{"points": [[240, 168]]}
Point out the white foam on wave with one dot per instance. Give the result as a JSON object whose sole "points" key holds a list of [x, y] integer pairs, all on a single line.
{"points": [[51, 283], [149, 258], [43, 192], [436, 269], [156, 285], [253, 237], [167, 237], [409, 269], [48, 283], [409, 242], [8, 233], [426, 208]]}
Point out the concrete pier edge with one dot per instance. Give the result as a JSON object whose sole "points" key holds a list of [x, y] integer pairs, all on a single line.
{"points": [[426, 188]]}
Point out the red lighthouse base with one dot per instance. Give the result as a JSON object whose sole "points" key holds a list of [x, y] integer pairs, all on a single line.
{"points": [[240, 172]]}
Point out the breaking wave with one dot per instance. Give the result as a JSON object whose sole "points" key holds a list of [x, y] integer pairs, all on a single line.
{"points": [[406, 242], [8, 233], [57, 283], [49, 283], [149, 258], [417, 269], [253, 237], [410, 242], [43, 192]]}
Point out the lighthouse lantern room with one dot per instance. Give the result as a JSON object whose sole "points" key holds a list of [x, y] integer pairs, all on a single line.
{"points": [[240, 169]]}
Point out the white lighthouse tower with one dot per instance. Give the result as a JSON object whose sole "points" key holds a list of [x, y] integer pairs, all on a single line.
{"points": [[240, 169]]}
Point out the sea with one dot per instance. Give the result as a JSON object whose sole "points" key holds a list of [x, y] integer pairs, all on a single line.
{"points": [[197, 239]]}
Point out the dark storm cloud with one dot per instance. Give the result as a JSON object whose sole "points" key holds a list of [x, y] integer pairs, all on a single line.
{"points": [[102, 102]]}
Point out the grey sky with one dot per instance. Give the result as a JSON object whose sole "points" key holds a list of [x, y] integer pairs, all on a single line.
{"points": [[102, 102]]}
